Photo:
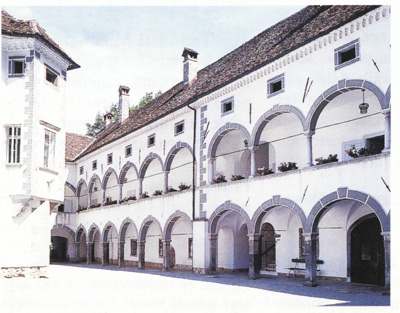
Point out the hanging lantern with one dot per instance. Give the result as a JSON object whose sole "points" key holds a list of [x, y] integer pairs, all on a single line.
{"points": [[363, 106]]}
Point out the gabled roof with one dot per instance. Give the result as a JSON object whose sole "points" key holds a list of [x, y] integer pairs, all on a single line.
{"points": [[276, 41], [75, 144], [30, 28]]}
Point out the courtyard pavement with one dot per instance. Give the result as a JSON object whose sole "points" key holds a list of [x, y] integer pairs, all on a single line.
{"points": [[93, 288]]}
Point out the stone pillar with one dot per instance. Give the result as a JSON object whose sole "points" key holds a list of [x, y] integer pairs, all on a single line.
{"points": [[140, 187], [104, 195], [254, 256], [310, 251], [309, 135], [89, 252], [166, 255], [120, 192], [104, 259], [213, 253], [141, 256], [386, 245], [386, 113], [166, 182], [253, 169], [77, 248], [211, 169], [89, 200], [121, 254]]}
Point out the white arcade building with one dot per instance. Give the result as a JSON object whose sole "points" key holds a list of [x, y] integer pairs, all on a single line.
{"points": [[274, 160]]}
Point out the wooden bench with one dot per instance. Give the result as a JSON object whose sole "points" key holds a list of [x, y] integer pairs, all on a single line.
{"points": [[293, 271]]}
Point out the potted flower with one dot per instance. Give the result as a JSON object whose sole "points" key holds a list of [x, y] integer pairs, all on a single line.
{"points": [[183, 186], [264, 171], [170, 189], [145, 195], [219, 179], [157, 193], [284, 167], [237, 177], [330, 159], [355, 153]]}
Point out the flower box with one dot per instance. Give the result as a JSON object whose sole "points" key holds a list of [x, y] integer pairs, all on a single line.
{"points": [[330, 159], [287, 166], [264, 171], [219, 179], [237, 177]]}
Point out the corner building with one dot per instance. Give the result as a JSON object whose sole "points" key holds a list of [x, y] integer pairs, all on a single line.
{"points": [[33, 86], [284, 144]]}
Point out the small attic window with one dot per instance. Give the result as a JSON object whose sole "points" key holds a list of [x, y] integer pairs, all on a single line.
{"points": [[16, 67], [179, 128], [109, 158], [51, 77], [128, 151], [276, 85], [94, 165], [227, 106], [151, 140], [347, 54]]}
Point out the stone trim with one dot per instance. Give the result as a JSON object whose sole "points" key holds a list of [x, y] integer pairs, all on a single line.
{"points": [[221, 210], [145, 226], [91, 182], [79, 231], [173, 151], [124, 226], [146, 162], [106, 177], [171, 221], [106, 229], [92, 231]]}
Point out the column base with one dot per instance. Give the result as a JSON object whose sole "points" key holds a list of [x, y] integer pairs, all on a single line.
{"points": [[254, 276], [308, 283]]}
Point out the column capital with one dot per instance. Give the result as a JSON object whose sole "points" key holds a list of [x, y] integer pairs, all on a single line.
{"points": [[254, 236], [386, 235], [166, 241], [310, 236], [211, 159], [309, 133], [253, 148], [213, 236], [386, 112]]}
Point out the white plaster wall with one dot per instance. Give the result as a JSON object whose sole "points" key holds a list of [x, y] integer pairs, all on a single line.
{"points": [[130, 234], [181, 232], [226, 248], [152, 241], [181, 169]]}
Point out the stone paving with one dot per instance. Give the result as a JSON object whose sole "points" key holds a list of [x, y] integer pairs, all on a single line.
{"points": [[94, 288]]}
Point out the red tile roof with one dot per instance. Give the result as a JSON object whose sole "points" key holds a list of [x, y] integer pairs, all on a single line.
{"points": [[283, 37], [75, 144], [30, 28]]}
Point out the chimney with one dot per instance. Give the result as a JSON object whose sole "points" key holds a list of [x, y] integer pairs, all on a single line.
{"points": [[189, 66], [108, 119], [123, 105]]}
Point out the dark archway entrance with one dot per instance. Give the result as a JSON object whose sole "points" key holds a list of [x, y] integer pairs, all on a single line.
{"points": [[58, 252], [268, 248], [172, 257], [367, 253]]}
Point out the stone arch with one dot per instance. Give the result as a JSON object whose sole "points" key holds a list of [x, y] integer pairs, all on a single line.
{"points": [[68, 184], [80, 183], [271, 114], [106, 230], [107, 175], [388, 97], [91, 182], [173, 151], [79, 231], [275, 201], [125, 170], [124, 226], [341, 87], [92, 231], [212, 148], [171, 221], [147, 161], [145, 226], [221, 210], [348, 194], [66, 228]]}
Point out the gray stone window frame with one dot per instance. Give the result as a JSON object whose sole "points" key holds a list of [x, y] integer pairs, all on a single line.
{"points": [[12, 61], [355, 44], [151, 140], [128, 151], [133, 247], [13, 144], [94, 165], [179, 128], [190, 248], [225, 104], [109, 158], [81, 170], [270, 85]]}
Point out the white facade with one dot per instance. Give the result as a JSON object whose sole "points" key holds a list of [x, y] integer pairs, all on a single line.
{"points": [[33, 86], [312, 212]]}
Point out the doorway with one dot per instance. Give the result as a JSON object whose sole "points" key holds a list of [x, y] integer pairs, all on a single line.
{"points": [[268, 248], [367, 264]]}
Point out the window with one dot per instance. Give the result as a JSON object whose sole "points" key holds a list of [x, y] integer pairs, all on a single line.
{"points": [[179, 128], [49, 149], [227, 106], [94, 165], [375, 144], [51, 77], [81, 169], [151, 140], [190, 248], [133, 247], [160, 248], [109, 158], [16, 66], [276, 85], [13, 135], [128, 151], [347, 54]]}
